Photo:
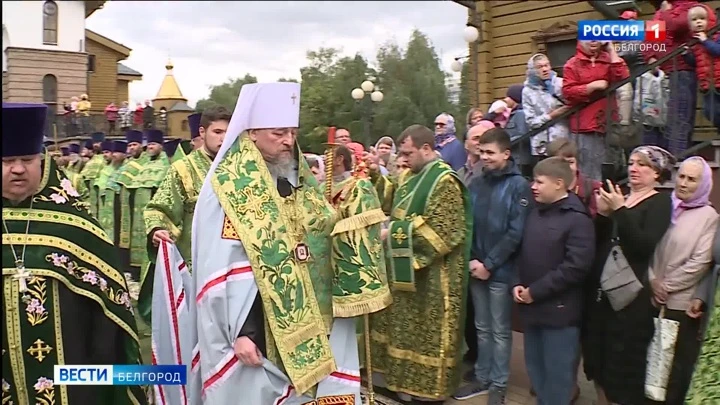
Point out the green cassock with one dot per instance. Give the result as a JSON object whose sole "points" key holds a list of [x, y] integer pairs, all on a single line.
{"points": [[144, 185], [105, 197], [120, 201], [75, 307], [73, 173], [417, 341], [171, 209], [90, 173]]}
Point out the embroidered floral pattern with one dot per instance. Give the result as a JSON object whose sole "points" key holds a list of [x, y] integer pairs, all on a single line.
{"points": [[117, 296], [63, 194], [35, 306], [45, 389]]}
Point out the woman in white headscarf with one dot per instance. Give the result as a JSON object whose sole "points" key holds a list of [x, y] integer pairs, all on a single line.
{"points": [[387, 152]]}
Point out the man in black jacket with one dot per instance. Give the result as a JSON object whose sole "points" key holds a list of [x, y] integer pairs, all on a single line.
{"points": [[555, 257]]}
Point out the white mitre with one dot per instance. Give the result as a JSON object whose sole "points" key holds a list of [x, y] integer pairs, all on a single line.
{"points": [[259, 106]]}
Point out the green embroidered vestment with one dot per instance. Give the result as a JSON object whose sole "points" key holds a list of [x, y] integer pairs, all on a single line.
{"points": [[145, 184], [417, 341], [360, 285], [296, 295], [90, 173], [172, 208], [76, 308]]}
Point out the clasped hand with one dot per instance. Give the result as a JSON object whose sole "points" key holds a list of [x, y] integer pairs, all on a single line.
{"points": [[478, 270], [521, 295]]}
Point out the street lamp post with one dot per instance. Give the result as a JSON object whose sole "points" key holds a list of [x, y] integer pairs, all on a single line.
{"points": [[471, 35], [376, 96]]}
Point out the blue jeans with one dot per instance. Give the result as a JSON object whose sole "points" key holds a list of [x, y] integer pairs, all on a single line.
{"points": [[551, 356], [493, 320]]}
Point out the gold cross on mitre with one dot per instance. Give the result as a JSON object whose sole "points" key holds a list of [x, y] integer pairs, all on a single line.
{"points": [[294, 97], [39, 350]]}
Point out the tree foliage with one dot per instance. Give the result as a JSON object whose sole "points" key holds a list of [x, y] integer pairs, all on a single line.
{"points": [[411, 79], [225, 94]]}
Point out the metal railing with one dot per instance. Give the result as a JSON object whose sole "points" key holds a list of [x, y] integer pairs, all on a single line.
{"points": [[621, 137], [70, 124]]}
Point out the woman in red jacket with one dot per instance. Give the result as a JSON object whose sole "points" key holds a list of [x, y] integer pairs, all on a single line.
{"points": [[593, 69]]}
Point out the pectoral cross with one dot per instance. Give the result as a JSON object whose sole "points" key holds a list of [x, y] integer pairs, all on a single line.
{"points": [[22, 275], [294, 97], [39, 350]]}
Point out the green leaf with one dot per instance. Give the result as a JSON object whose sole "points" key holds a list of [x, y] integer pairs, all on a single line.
{"points": [[299, 297], [279, 284], [242, 182], [251, 166], [374, 285], [365, 254]]}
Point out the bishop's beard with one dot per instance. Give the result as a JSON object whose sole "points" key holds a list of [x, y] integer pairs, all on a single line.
{"points": [[284, 169]]}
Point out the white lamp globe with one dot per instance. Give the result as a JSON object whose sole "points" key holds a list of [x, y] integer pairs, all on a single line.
{"points": [[367, 86], [376, 96], [456, 66], [357, 93], [471, 34]]}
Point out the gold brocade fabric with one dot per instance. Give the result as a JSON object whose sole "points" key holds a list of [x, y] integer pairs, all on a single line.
{"points": [[296, 295], [416, 342], [173, 205], [360, 285]]}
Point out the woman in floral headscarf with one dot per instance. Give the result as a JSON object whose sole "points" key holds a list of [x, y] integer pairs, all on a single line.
{"points": [[681, 260], [615, 342]]}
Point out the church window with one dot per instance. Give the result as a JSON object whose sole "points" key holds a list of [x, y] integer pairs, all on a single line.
{"points": [[184, 126], [558, 42], [50, 23], [560, 52], [91, 63], [49, 89]]}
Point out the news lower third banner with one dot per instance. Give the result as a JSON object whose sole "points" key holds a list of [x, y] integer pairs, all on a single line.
{"points": [[120, 375]]}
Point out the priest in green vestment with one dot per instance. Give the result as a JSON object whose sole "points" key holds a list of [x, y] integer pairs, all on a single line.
{"points": [[124, 199], [96, 162], [417, 341], [169, 215], [108, 216], [97, 184], [173, 152], [64, 301], [145, 184], [360, 284], [74, 167]]}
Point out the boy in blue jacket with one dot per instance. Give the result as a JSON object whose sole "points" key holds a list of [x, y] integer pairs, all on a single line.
{"points": [[556, 255], [501, 200]]}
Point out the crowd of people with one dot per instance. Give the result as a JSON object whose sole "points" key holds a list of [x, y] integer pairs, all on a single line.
{"points": [[276, 276], [78, 120]]}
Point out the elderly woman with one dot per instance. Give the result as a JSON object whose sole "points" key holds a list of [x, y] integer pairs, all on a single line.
{"points": [[541, 102], [681, 260], [385, 148], [474, 116], [705, 388], [615, 341]]}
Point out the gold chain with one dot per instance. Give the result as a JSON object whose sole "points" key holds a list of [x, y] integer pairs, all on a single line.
{"points": [[21, 260]]}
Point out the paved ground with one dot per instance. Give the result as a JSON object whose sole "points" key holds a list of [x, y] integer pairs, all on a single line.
{"points": [[518, 392]]}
